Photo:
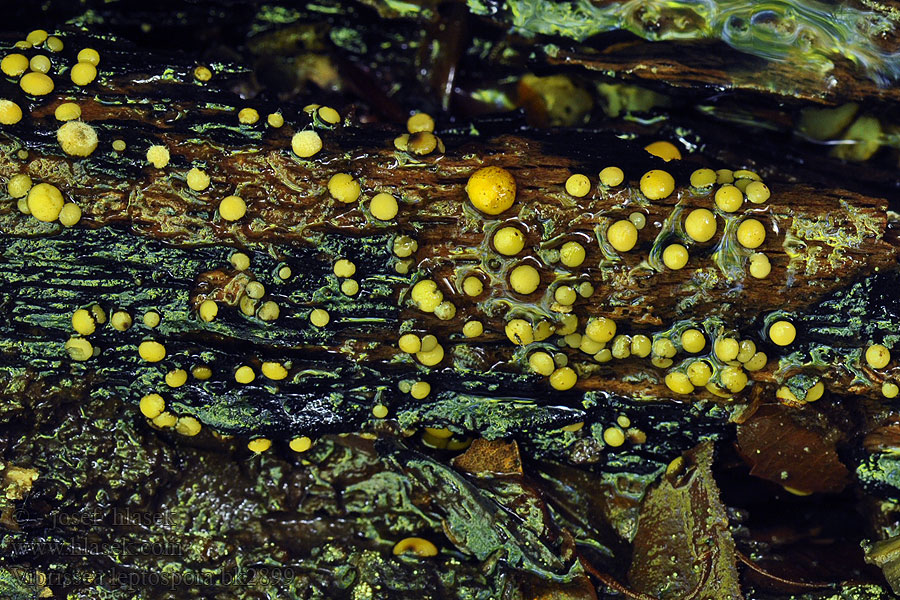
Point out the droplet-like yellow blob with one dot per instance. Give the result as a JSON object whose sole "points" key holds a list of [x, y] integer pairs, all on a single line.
{"points": [[760, 267], [19, 185], [757, 362], [426, 295], [152, 405], [202, 73], [90, 56], [232, 208], [344, 188], [675, 256], [409, 343], [613, 437], [67, 111], [622, 235], [384, 207], [420, 122], [344, 268], [641, 345], [782, 333], [120, 320], [36, 84], [306, 143], [700, 225], [541, 363], [657, 184], [208, 310], [578, 185], [197, 179], [329, 115], [693, 340], [699, 372], [248, 116], [472, 286], [563, 378], [319, 317], [491, 190], [158, 156], [612, 176], [176, 378], [10, 112], [152, 351], [733, 378], [726, 349], [244, 374], [664, 150], [751, 234], [77, 138], [815, 392], [45, 202], [430, 358], [14, 65], [420, 390], [524, 279], [878, 356], [274, 371], [165, 419], [302, 443], [79, 349], [83, 322], [519, 332], [118, 145], [188, 426], [889, 389], [565, 295], [757, 192], [679, 383], [703, 178], [473, 329], [729, 198], [572, 254], [509, 241], [259, 445], [275, 120], [601, 329], [416, 546], [83, 73]]}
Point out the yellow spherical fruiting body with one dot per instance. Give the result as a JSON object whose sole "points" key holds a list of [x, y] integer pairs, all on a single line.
{"points": [[319, 317], [232, 208], [613, 437], [158, 156], [36, 84], [675, 256], [329, 115], [524, 279], [416, 546], [426, 295], [693, 340], [612, 176], [202, 73], [10, 112], [420, 122], [664, 150], [274, 371], [726, 349], [83, 73], [700, 225], [343, 188], [89, 55], [728, 198], [641, 345], [19, 185], [572, 254], [699, 373], [578, 185], [703, 178], [208, 310], [622, 235], [472, 286], [67, 111], [79, 349], [519, 332], [45, 202], [541, 363], [83, 322], [757, 192], [751, 234], [244, 374], [77, 138], [152, 351], [760, 267], [384, 207], [657, 184], [563, 378], [420, 390], [509, 241], [601, 329], [248, 116], [176, 378], [409, 343], [878, 356], [197, 179], [344, 268], [188, 426], [14, 65], [782, 333], [473, 329], [259, 445], [889, 389], [120, 320], [306, 143], [491, 190], [679, 383], [152, 405]]}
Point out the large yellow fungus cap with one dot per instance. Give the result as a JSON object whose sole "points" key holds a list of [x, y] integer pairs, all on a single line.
{"points": [[491, 190], [45, 202], [77, 138]]}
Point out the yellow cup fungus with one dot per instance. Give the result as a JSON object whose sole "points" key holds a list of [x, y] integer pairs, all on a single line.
{"points": [[877, 356], [760, 267], [524, 279], [473, 329], [36, 84], [578, 185], [601, 329], [703, 178], [657, 184], [306, 143], [45, 202], [679, 383], [519, 332], [509, 241], [188, 426], [472, 286], [232, 208], [612, 176], [197, 179], [120, 320], [675, 256], [319, 317], [208, 310], [641, 345], [422, 143], [430, 358], [751, 234], [757, 192], [426, 295], [244, 374], [90, 56], [302, 443], [349, 287], [202, 73], [622, 235], [563, 378], [491, 190], [275, 119], [19, 185], [664, 150], [782, 333], [176, 378], [693, 340], [726, 349], [158, 156], [409, 343], [239, 261], [734, 379], [757, 362], [700, 225], [274, 371], [565, 295], [329, 115], [541, 363], [152, 405], [416, 546], [889, 389], [201, 372], [14, 64], [420, 390], [54, 44], [152, 351], [79, 349], [119, 145], [83, 322], [67, 111], [248, 116], [729, 198], [83, 73], [699, 373], [420, 122], [613, 437], [77, 138], [10, 112], [639, 219], [36, 37], [343, 188], [384, 207], [259, 445], [165, 419], [572, 254], [70, 214]]}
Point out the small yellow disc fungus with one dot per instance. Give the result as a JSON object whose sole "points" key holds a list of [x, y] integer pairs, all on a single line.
{"points": [[519, 332], [83, 322], [343, 188], [700, 225], [729, 198], [232, 208], [244, 374], [176, 378], [22, 205], [259, 445], [589, 346], [639, 219], [36, 84], [815, 392], [420, 390], [119, 145], [409, 343], [751, 233], [699, 372], [726, 349], [524, 279], [445, 311], [36, 37], [889, 389], [760, 267], [541, 363], [675, 256], [19, 185], [380, 411], [563, 378], [567, 324], [472, 286], [473, 329], [747, 348], [746, 174], [90, 56], [197, 179], [416, 546], [422, 143], [877, 356], [782, 333], [269, 311], [622, 235], [256, 290], [703, 178], [572, 254], [152, 405], [301, 444], [67, 111], [491, 190], [208, 310], [239, 261], [284, 273], [83, 73], [657, 184], [613, 437], [664, 150], [79, 349], [757, 192], [274, 371], [248, 116], [306, 143], [77, 138], [757, 362], [693, 340], [733, 378], [679, 383], [319, 317], [45, 202], [201, 372], [152, 351], [426, 295], [14, 65], [165, 419], [188, 426], [158, 156], [641, 345], [430, 358], [10, 112], [54, 44], [151, 319], [601, 329], [275, 120], [420, 122], [202, 73], [578, 185], [329, 115], [349, 287], [404, 246], [120, 320], [509, 241], [724, 176], [384, 207], [664, 348], [612, 176], [565, 295], [401, 142]]}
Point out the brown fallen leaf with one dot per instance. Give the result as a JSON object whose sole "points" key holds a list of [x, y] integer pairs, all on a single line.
{"points": [[683, 548], [490, 456]]}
